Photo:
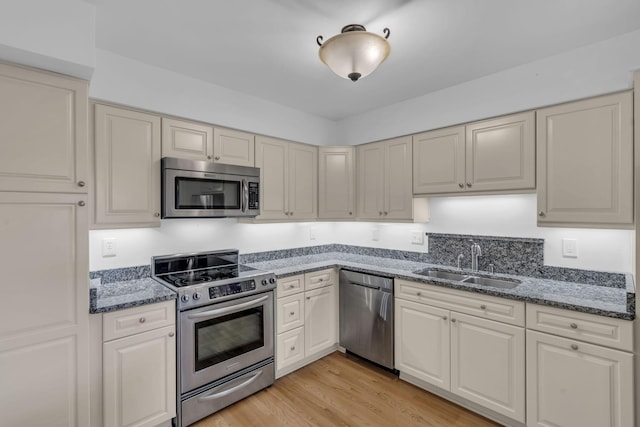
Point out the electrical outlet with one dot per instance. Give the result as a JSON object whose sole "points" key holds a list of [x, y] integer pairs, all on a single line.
{"points": [[108, 247], [417, 237], [570, 248], [375, 234], [312, 233]]}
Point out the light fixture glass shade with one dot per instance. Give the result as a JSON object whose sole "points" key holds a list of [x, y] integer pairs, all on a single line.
{"points": [[354, 54]]}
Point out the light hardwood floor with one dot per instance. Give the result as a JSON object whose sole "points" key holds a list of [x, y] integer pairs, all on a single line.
{"points": [[341, 390]]}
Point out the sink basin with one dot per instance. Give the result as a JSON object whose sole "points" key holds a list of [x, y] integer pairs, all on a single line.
{"points": [[439, 274], [488, 281]]}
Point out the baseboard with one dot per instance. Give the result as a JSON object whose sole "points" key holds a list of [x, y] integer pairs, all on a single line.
{"points": [[307, 360]]}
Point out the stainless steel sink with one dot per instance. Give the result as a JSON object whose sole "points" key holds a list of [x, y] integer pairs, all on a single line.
{"points": [[489, 281], [440, 274], [502, 283]]}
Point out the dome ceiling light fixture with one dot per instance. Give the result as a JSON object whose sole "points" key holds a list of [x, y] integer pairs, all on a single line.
{"points": [[355, 52]]}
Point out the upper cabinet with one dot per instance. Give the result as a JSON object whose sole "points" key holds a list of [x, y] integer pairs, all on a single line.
{"points": [[43, 129], [288, 179], [127, 168], [585, 163], [189, 140], [384, 180], [495, 155], [336, 183]]}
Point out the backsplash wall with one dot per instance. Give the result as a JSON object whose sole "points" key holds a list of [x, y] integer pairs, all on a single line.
{"points": [[510, 216]]}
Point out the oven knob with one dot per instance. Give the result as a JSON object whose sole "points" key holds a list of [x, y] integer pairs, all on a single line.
{"points": [[272, 280], [265, 282], [196, 296], [184, 298]]}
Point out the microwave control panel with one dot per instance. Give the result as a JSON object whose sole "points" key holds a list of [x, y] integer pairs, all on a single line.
{"points": [[254, 196]]}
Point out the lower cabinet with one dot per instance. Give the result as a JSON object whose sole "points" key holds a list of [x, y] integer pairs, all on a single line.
{"points": [[139, 366], [572, 382], [480, 360], [306, 319]]}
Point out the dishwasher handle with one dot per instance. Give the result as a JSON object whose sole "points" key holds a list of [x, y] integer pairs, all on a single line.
{"points": [[364, 285]]}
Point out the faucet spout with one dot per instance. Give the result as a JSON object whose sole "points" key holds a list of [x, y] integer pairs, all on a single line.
{"points": [[476, 252]]}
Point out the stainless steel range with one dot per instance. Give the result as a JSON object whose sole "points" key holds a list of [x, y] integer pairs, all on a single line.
{"points": [[225, 323]]}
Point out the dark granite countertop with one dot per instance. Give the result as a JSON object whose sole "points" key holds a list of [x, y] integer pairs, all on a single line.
{"points": [[601, 300], [119, 295]]}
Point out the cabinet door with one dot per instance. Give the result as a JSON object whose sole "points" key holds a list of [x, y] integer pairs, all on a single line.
{"points": [[272, 157], [320, 320], [289, 313], [398, 196], [303, 181], [186, 140], [140, 379], [233, 147], [43, 129], [573, 384], [501, 153], [127, 151], [370, 167], [336, 183], [585, 162], [488, 365], [422, 342], [290, 348], [44, 313], [439, 161]]}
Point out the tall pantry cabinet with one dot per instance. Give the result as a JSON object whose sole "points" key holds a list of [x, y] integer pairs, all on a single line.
{"points": [[44, 312]]}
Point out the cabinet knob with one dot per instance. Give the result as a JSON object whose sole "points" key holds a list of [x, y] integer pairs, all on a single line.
{"points": [[541, 214], [308, 297], [469, 184], [81, 184], [321, 279], [209, 157], [386, 213], [81, 203], [574, 346], [291, 286], [350, 213], [142, 320], [444, 317], [293, 348], [574, 326], [461, 185], [419, 293], [217, 158], [171, 334], [157, 214], [483, 307], [292, 313], [380, 213], [453, 320]]}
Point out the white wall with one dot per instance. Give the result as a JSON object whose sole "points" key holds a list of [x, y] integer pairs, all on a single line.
{"points": [[592, 70], [514, 215], [129, 82], [54, 35]]}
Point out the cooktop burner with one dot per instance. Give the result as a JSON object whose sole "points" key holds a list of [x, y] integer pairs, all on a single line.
{"points": [[194, 277]]}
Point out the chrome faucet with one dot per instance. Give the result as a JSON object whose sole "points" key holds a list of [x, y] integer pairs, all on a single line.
{"points": [[475, 253], [460, 258]]}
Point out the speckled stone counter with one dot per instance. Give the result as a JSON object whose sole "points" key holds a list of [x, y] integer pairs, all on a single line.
{"points": [[126, 294], [604, 300]]}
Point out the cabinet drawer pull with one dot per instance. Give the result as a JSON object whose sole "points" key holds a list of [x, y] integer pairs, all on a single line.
{"points": [[209, 157], [574, 326], [171, 334], [321, 279], [380, 213], [469, 184], [444, 317], [574, 346], [157, 214], [81, 203], [483, 307], [350, 213], [419, 294], [293, 348], [308, 297], [292, 313], [453, 320], [142, 320], [217, 158], [461, 185], [291, 286], [541, 214], [81, 183]]}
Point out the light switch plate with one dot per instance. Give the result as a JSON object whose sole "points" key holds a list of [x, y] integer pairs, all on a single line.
{"points": [[108, 247], [417, 237], [375, 234], [570, 248]]}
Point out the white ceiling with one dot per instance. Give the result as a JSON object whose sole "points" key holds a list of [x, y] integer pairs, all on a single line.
{"points": [[267, 48]]}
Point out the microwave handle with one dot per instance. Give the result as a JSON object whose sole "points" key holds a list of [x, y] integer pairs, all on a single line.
{"points": [[230, 309], [245, 195]]}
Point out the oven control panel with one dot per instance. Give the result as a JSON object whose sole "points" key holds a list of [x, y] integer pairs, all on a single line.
{"points": [[233, 288]]}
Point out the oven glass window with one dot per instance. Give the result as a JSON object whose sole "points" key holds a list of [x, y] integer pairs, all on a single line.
{"points": [[228, 336], [199, 193]]}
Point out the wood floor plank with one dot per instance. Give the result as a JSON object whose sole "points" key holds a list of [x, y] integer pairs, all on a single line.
{"points": [[341, 390]]}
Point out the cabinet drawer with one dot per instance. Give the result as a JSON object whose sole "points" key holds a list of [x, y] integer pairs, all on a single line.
{"points": [[290, 285], [118, 324], [494, 308], [318, 279], [290, 314], [616, 333], [290, 348]]}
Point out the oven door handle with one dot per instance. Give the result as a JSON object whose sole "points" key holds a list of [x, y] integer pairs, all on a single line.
{"points": [[245, 195], [231, 390], [231, 309]]}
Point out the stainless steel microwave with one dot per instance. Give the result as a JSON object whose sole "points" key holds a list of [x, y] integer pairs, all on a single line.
{"points": [[200, 189]]}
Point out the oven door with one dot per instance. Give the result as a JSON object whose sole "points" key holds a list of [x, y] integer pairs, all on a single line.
{"points": [[220, 339]]}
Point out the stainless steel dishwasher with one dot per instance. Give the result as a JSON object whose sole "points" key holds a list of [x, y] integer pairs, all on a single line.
{"points": [[366, 316]]}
